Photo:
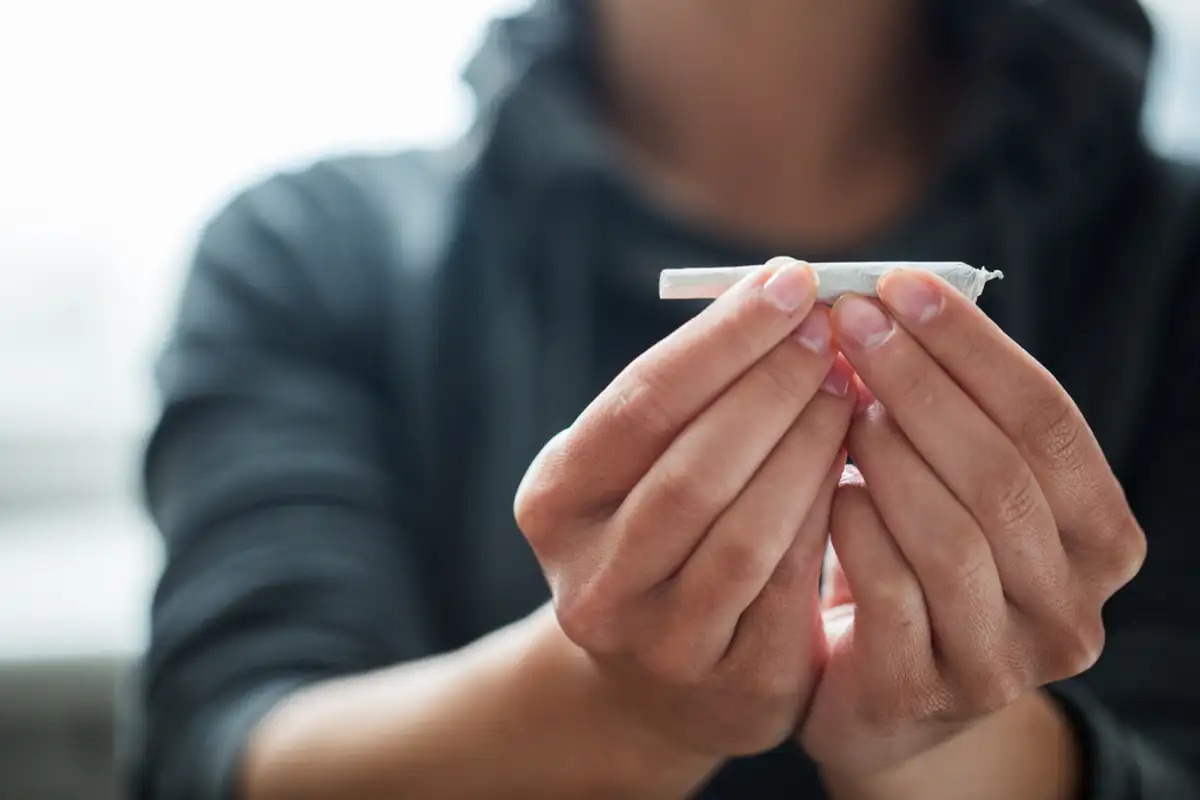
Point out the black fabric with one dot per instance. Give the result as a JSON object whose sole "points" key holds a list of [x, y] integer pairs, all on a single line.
{"points": [[368, 353]]}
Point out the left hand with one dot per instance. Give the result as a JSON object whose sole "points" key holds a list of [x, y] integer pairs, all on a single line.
{"points": [[988, 535]]}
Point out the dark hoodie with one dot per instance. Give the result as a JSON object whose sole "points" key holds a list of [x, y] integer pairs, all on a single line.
{"points": [[368, 354]]}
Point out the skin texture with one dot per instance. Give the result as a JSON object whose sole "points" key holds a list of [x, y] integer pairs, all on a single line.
{"points": [[522, 713], [966, 577], [1025, 750], [691, 579]]}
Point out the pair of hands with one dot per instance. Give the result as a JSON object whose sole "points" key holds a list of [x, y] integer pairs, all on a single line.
{"points": [[682, 522]]}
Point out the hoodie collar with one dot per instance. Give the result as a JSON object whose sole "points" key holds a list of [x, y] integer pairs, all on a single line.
{"points": [[536, 124]]}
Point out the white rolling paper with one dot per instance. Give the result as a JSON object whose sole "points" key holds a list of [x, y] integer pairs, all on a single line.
{"points": [[835, 279]]}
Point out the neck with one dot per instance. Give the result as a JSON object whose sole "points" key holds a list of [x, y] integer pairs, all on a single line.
{"points": [[782, 120]]}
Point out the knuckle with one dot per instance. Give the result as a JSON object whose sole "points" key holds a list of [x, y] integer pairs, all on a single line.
{"points": [[741, 561], [973, 569], [543, 501], [1117, 548], [963, 559], [587, 616], [995, 688], [679, 495], [971, 347], [536, 509], [793, 575], [1012, 499], [641, 409], [901, 598], [1073, 646], [1129, 549], [1055, 432], [778, 379], [914, 387]]}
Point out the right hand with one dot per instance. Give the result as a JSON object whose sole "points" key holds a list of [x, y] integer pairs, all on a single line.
{"points": [[682, 519]]}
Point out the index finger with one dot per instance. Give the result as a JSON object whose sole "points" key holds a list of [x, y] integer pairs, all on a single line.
{"points": [[628, 426], [1011, 387]]}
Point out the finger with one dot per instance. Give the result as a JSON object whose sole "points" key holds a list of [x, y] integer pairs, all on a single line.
{"points": [[774, 634], [701, 473], [1023, 398], [745, 547], [947, 551], [835, 590], [962, 445], [632, 421], [892, 641]]}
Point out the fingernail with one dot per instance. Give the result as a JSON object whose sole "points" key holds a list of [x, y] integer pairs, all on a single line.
{"points": [[911, 296], [815, 333], [837, 382], [862, 322], [792, 285]]}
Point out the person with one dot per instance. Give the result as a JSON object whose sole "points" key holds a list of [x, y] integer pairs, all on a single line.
{"points": [[378, 359]]}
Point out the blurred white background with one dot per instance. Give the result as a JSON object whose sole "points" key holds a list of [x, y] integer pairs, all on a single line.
{"points": [[125, 123]]}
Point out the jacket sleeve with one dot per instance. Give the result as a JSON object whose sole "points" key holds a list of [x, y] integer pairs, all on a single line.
{"points": [[287, 518], [1137, 711]]}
